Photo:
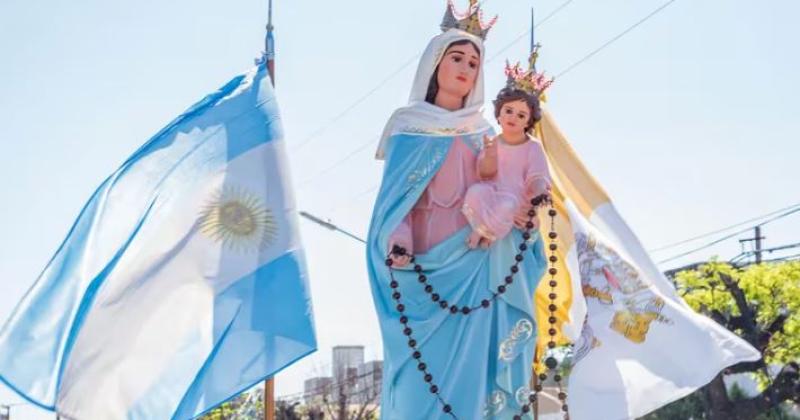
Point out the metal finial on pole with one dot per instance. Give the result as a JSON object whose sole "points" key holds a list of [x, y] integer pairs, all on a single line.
{"points": [[533, 26], [534, 54], [269, 16], [269, 45], [268, 55]]}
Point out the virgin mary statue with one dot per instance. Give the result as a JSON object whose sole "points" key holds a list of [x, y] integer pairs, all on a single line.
{"points": [[457, 323]]}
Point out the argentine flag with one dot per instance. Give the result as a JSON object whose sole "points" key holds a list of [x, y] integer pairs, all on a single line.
{"points": [[182, 282]]}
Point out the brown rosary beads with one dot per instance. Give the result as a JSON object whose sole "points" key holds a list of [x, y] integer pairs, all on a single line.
{"points": [[550, 362]]}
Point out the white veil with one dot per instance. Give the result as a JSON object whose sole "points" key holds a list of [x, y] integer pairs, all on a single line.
{"points": [[422, 117]]}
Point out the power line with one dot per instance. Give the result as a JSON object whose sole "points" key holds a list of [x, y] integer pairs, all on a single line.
{"points": [[386, 80], [725, 229], [364, 97], [614, 39], [793, 257], [354, 198], [726, 237], [592, 53], [358, 102], [746, 254], [528, 32], [338, 162], [366, 191], [781, 248]]}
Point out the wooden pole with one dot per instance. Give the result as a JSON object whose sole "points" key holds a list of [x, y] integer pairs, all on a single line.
{"points": [[758, 244], [269, 399], [269, 56]]}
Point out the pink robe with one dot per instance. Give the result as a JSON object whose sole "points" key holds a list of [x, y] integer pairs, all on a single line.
{"points": [[491, 205], [522, 174], [437, 214]]}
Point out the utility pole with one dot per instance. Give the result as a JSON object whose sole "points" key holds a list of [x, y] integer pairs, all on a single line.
{"points": [[757, 251], [758, 244]]}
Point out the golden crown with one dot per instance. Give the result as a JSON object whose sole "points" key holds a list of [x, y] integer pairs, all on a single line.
{"points": [[530, 81], [471, 21]]}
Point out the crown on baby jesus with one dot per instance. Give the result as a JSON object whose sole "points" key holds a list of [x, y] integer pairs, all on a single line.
{"points": [[471, 21], [530, 81]]}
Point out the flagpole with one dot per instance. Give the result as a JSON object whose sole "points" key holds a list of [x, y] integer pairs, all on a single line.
{"points": [[533, 25], [269, 399], [268, 58]]}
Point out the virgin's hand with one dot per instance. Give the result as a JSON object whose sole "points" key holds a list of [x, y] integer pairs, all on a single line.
{"points": [[400, 260], [521, 219], [397, 259]]}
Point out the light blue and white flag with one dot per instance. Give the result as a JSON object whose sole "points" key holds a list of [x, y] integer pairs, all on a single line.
{"points": [[182, 282]]}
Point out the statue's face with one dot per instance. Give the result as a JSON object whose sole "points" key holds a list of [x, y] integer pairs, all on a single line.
{"points": [[458, 70], [514, 117]]}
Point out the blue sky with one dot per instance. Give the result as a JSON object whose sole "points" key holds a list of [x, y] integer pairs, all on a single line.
{"points": [[689, 121]]}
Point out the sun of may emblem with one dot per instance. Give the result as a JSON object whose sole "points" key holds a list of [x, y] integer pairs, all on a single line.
{"points": [[238, 220]]}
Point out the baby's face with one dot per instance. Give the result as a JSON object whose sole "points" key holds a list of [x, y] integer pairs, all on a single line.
{"points": [[514, 117]]}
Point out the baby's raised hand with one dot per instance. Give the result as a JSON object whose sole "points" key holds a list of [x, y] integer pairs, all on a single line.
{"points": [[487, 160], [490, 144]]}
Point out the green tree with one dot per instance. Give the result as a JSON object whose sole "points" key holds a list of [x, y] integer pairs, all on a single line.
{"points": [[245, 406], [760, 303], [693, 407]]}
